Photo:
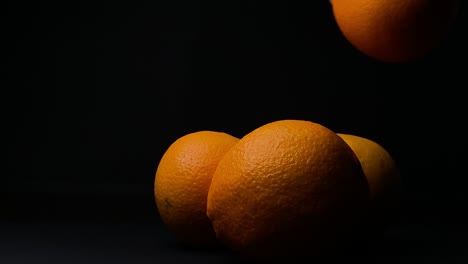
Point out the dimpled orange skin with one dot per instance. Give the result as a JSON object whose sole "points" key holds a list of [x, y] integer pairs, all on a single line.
{"points": [[379, 167], [182, 181], [395, 31], [286, 189], [383, 177]]}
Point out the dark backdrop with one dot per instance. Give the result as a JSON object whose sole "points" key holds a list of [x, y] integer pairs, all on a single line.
{"points": [[95, 93]]}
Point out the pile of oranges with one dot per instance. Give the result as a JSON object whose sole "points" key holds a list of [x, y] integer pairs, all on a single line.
{"points": [[287, 188], [295, 187]]}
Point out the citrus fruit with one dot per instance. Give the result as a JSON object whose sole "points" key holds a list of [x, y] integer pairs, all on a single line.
{"points": [[181, 184], [287, 188], [395, 31], [381, 172]]}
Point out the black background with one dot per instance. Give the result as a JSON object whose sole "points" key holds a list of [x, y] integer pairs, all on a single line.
{"points": [[95, 93]]}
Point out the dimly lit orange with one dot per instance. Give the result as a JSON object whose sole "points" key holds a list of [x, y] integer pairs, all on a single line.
{"points": [[288, 188], [182, 181], [395, 30]]}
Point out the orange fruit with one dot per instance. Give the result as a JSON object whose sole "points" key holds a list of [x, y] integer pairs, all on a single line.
{"points": [[288, 188], [182, 181], [381, 172], [395, 31]]}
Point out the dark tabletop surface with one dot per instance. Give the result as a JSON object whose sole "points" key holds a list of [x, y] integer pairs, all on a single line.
{"points": [[95, 229]]}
